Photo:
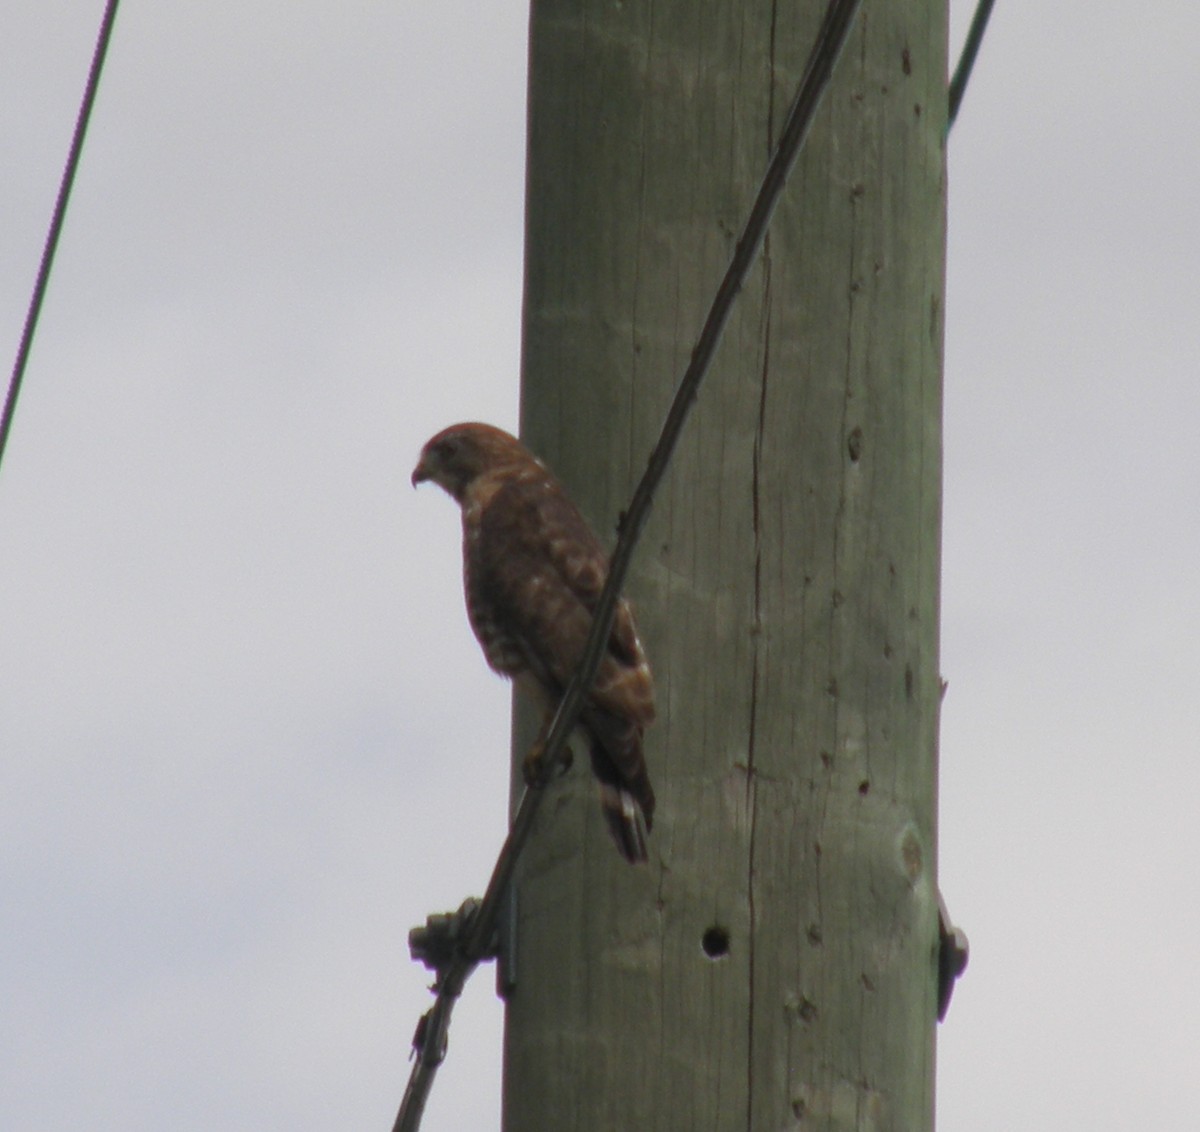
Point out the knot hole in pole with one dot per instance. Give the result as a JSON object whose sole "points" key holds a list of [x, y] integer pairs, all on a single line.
{"points": [[715, 942]]}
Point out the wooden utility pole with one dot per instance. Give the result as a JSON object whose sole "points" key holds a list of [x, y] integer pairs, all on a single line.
{"points": [[773, 967]]}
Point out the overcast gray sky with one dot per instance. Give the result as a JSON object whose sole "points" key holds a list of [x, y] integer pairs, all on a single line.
{"points": [[233, 645]]}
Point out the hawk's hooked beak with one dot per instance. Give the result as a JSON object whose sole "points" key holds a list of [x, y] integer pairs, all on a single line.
{"points": [[420, 473]]}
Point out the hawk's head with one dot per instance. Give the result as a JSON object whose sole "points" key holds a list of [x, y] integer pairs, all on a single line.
{"points": [[458, 454]]}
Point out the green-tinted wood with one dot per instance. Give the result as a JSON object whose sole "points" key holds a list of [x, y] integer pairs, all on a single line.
{"points": [[786, 584]]}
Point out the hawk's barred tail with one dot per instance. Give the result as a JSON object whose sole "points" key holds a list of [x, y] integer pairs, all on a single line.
{"points": [[625, 791], [626, 822]]}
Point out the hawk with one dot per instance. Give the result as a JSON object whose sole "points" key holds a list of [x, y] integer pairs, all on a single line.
{"points": [[533, 570]]}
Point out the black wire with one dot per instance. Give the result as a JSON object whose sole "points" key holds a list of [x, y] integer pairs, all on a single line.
{"points": [[966, 61], [430, 1043], [56, 223]]}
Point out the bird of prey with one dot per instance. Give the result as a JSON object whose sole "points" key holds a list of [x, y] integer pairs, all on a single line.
{"points": [[533, 570]]}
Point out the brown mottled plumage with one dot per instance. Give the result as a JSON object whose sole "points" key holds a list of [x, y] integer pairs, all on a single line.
{"points": [[533, 571]]}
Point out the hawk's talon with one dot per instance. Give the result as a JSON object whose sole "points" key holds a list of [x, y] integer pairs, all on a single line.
{"points": [[531, 768]]}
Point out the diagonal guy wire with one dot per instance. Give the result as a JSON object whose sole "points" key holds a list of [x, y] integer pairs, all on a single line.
{"points": [[430, 1041], [966, 61], [56, 222]]}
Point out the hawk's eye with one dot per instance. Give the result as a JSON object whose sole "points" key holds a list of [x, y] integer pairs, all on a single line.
{"points": [[447, 449]]}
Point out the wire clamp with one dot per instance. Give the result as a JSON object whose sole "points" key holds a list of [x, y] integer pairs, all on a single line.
{"points": [[953, 953], [444, 936]]}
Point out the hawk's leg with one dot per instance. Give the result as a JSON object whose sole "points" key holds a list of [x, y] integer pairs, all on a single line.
{"points": [[532, 768]]}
